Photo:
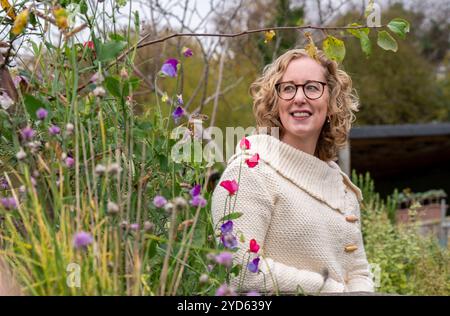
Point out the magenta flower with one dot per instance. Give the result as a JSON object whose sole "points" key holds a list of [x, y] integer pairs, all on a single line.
{"points": [[69, 162], [82, 240], [198, 200], [9, 203], [252, 161], [225, 290], [54, 130], [170, 67], [41, 114], [225, 259], [159, 201], [134, 226], [244, 144], [253, 266], [195, 190], [187, 52], [178, 113], [27, 133], [254, 247], [230, 185]]}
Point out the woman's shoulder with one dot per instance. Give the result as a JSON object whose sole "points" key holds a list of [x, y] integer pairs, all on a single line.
{"points": [[347, 180]]}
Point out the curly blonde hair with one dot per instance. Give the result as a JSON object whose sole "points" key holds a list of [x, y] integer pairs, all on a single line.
{"points": [[343, 101]]}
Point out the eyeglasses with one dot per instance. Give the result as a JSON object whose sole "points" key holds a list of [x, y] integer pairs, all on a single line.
{"points": [[311, 89]]}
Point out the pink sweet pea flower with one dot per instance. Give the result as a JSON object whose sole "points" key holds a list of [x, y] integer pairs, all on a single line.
{"points": [[254, 247], [244, 144], [230, 185], [252, 161]]}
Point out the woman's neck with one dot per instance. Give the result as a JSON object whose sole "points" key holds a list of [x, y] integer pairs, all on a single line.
{"points": [[306, 145]]}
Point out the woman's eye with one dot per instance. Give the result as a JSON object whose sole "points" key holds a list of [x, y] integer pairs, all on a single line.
{"points": [[312, 88], [289, 89]]}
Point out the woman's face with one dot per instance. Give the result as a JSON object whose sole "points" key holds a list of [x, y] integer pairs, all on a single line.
{"points": [[303, 118]]}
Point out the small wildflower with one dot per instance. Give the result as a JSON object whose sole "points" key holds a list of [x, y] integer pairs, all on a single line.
{"points": [[114, 168], [99, 92], [269, 35], [244, 144], [229, 240], [159, 201], [196, 190], [61, 15], [230, 185], [252, 161], [180, 203], [4, 184], [254, 247], [165, 97], [20, 22], [225, 290], [149, 227], [27, 133], [203, 279], [169, 68], [5, 101], [97, 78], [180, 99], [69, 128], [124, 225], [21, 154], [100, 169], [227, 227], [187, 52], [225, 259], [69, 161], [123, 73], [253, 266], [112, 208], [41, 114], [198, 200], [169, 208], [9, 203], [54, 130], [134, 226], [82, 240], [89, 44], [178, 113], [253, 293]]}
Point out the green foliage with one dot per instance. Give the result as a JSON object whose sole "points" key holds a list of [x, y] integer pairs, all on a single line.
{"points": [[334, 48]]}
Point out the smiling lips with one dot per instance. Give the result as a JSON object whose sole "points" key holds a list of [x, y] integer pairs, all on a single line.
{"points": [[301, 114]]}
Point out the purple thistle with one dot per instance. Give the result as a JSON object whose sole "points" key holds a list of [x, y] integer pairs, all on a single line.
{"points": [[253, 266], [9, 203], [225, 259], [196, 190], [229, 240], [225, 290], [69, 162], [198, 200], [4, 184], [27, 133], [178, 113], [227, 227], [253, 293], [41, 114], [134, 226], [54, 130], [82, 240], [159, 201]]}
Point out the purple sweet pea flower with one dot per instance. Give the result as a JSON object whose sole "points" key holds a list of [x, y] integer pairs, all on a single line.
{"points": [[225, 259], [41, 114], [169, 68], [253, 266], [27, 133], [198, 200], [196, 190], [187, 52], [229, 240], [54, 130], [82, 240], [159, 201], [178, 113], [9, 203], [227, 227]]}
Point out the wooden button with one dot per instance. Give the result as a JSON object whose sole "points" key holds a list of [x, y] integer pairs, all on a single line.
{"points": [[351, 218], [350, 248]]}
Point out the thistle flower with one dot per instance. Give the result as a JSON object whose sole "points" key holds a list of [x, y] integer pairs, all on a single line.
{"points": [[203, 279], [82, 240], [69, 162], [195, 190], [180, 204], [41, 114], [159, 201], [225, 259], [27, 133], [21, 154], [134, 226], [225, 290], [4, 184], [100, 169], [112, 208], [198, 200], [149, 227], [99, 92], [253, 293], [54, 130], [69, 128], [9, 203]]}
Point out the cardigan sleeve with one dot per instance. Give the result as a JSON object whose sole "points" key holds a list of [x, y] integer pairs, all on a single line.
{"points": [[255, 199]]}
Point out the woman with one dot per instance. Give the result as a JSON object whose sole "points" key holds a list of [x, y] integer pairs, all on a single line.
{"points": [[298, 206]]}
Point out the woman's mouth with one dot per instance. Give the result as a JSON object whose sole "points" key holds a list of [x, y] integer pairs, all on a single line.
{"points": [[301, 115]]}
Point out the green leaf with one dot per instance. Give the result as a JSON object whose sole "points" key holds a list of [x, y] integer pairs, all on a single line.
{"points": [[358, 33], [399, 27], [110, 50], [386, 41], [113, 86], [231, 216], [334, 48], [366, 45], [32, 104]]}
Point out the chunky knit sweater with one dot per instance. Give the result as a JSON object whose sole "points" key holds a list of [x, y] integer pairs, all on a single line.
{"points": [[303, 212]]}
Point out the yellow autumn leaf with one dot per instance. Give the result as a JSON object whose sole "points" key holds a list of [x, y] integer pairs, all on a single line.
{"points": [[61, 15], [21, 22], [269, 35], [8, 9], [311, 48]]}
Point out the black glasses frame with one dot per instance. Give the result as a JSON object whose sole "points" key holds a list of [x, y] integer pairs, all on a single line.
{"points": [[277, 88]]}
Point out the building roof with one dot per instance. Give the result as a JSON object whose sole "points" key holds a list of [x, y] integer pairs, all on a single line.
{"points": [[404, 130]]}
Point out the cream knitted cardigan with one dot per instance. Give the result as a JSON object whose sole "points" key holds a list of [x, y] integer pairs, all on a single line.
{"points": [[301, 210]]}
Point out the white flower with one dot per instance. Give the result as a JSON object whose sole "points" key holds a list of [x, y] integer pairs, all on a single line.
{"points": [[5, 101], [21, 154], [100, 169], [99, 92]]}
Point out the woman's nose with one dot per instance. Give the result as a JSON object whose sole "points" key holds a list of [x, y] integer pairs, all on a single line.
{"points": [[299, 96]]}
